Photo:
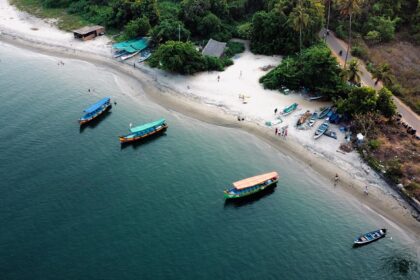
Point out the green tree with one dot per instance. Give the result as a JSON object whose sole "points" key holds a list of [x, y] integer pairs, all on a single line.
{"points": [[384, 26], [169, 29], [382, 73], [299, 19], [361, 100], [179, 57], [209, 25], [385, 103], [348, 8], [137, 28], [353, 72]]}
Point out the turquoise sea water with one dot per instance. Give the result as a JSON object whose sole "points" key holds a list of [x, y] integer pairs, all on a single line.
{"points": [[74, 205]]}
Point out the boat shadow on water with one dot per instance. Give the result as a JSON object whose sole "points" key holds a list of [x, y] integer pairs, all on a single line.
{"points": [[95, 122], [143, 142], [248, 200]]}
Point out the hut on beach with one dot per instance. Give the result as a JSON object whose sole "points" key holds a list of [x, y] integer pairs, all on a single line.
{"points": [[214, 48], [88, 32]]}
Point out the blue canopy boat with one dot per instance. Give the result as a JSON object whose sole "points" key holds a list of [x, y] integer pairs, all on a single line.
{"points": [[145, 130], [95, 110], [369, 237]]}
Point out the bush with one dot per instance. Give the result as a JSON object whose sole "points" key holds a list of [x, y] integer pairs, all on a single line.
{"points": [[213, 63], [359, 52], [385, 104], [137, 28], [373, 36], [169, 29], [394, 170], [233, 48], [209, 25], [374, 144], [244, 31]]}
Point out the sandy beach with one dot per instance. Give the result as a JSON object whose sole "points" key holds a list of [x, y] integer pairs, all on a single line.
{"points": [[205, 98]]}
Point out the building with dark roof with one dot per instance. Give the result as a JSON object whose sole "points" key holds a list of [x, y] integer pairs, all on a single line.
{"points": [[214, 48], [88, 32]]}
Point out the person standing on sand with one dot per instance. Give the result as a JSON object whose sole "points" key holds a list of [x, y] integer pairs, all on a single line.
{"points": [[240, 74], [275, 111], [336, 178], [366, 190], [277, 131], [218, 78]]}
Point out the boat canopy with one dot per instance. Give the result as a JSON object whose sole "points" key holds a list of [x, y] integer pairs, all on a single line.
{"points": [[147, 126], [252, 181], [97, 105], [132, 46]]}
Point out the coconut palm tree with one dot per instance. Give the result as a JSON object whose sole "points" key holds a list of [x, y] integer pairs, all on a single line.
{"points": [[329, 13], [348, 8], [382, 73], [353, 72], [299, 19]]}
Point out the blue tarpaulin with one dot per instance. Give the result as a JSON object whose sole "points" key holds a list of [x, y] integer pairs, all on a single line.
{"points": [[132, 46]]}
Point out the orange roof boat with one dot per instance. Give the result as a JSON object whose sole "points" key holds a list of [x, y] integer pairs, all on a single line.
{"points": [[252, 181]]}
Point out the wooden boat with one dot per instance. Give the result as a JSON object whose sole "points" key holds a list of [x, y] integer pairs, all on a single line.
{"points": [[369, 237], [145, 56], [303, 118], [129, 55], [313, 119], [95, 110], [144, 131], [288, 110], [331, 134], [321, 129], [251, 185], [324, 113]]}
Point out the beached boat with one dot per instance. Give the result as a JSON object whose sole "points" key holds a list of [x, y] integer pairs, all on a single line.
{"points": [[321, 129], [119, 53], [369, 237], [144, 131], [331, 134], [95, 110], [313, 119], [145, 55], [129, 55], [303, 118], [288, 110], [324, 113], [252, 185]]}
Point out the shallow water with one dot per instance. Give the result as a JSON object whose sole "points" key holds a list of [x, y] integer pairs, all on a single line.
{"points": [[75, 205]]}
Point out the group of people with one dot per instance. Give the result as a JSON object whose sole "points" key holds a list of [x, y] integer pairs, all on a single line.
{"points": [[281, 132]]}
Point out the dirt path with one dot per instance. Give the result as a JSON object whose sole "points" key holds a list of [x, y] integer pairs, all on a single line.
{"points": [[335, 44]]}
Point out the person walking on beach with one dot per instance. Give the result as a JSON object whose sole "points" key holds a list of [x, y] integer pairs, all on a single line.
{"points": [[240, 74], [336, 178], [218, 78], [366, 190], [277, 131], [275, 111]]}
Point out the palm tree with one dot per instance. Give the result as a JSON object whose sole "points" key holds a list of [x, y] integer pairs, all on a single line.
{"points": [[329, 12], [348, 8], [353, 72], [299, 19], [382, 73]]}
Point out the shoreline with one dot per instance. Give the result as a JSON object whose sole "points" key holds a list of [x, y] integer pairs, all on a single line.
{"points": [[383, 204]]}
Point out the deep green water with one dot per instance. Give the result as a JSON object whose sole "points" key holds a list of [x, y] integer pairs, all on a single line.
{"points": [[74, 205]]}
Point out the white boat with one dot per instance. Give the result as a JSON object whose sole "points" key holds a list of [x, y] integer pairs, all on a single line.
{"points": [[130, 55]]}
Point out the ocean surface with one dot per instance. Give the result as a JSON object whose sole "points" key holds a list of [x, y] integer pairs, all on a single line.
{"points": [[74, 204]]}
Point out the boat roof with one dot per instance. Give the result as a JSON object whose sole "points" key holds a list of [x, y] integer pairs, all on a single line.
{"points": [[98, 104], [132, 46], [147, 126], [252, 181]]}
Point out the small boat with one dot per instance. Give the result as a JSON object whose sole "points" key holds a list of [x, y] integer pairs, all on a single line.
{"points": [[369, 237], [95, 110], [144, 131], [145, 56], [313, 119], [119, 53], [129, 55], [252, 185], [303, 118], [331, 134], [321, 129], [288, 110], [324, 113]]}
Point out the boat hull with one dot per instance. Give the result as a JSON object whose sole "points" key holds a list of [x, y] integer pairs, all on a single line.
{"points": [[125, 139], [83, 121], [363, 240], [250, 193]]}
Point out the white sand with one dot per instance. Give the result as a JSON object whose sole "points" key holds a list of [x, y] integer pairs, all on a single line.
{"points": [[20, 24], [241, 78]]}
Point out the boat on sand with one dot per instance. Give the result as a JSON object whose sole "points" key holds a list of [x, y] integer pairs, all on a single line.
{"points": [[324, 113], [288, 110], [369, 237], [313, 119], [321, 129], [252, 185], [303, 118]]}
